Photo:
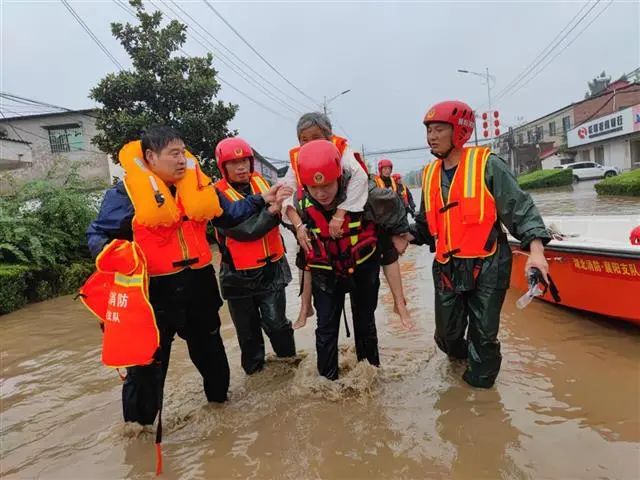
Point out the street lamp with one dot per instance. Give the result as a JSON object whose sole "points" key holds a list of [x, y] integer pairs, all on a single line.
{"points": [[487, 79], [327, 102]]}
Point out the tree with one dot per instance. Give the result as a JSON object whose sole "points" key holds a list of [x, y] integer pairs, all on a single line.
{"points": [[161, 88], [598, 85]]}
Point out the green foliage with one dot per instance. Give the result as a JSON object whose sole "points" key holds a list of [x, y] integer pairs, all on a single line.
{"points": [[546, 179], [43, 222], [162, 88], [21, 284], [627, 184], [13, 287]]}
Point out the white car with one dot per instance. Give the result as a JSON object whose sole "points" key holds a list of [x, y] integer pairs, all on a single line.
{"points": [[590, 170]]}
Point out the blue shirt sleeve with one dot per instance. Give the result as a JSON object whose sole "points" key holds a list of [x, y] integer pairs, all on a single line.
{"points": [[114, 220], [234, 213]]}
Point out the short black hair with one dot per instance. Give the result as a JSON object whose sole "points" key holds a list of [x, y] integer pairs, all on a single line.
{"points": [[157, 137]]}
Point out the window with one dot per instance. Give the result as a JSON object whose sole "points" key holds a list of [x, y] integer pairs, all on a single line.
{"points": [[529, 136], [598, 155], [585, 155], [520, 138], [566, 124], [539, 133], [552, 129], [65, 138]]}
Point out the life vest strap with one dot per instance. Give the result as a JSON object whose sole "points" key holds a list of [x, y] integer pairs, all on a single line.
{"points": [[448, 206], [186, 262], [451, 253], [491, 240]]}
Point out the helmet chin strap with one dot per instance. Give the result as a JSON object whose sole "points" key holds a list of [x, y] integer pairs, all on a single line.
{"points": [[442, 156]]}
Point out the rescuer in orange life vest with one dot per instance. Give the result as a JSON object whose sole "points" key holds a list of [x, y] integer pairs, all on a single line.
{"points": [[405, 195], [348, 263], [467, 194], [254, 270], [170, 229]]}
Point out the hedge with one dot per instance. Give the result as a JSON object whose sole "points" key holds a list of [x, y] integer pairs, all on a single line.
{"points": [[546, 179], [21, 284], [627, 184]]}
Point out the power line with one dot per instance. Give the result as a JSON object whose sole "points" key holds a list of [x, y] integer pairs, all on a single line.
{"points": [[12, 127], [222, 58], [254, 100], [547, 50], [563, 49], [91, 34], [125, 8], [256, 52], [29, 101], [8, 121], [230, 52]]}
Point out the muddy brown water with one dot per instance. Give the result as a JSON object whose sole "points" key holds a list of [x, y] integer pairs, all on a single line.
{"points": [[566, 404]]}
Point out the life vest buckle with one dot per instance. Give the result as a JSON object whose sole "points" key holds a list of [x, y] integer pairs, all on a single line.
{"points": [[451, 253], [186, 262], [448, 206]]}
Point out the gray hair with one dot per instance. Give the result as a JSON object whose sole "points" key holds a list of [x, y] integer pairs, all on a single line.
{"points": [[315, 119]]}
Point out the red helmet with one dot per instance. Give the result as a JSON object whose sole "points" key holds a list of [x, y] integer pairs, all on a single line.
{"points": [[457, 114], [397, 177], [232, 149], [385, 162], [319, 163], [635, 236]]}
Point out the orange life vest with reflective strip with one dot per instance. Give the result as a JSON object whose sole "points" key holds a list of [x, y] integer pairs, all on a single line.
{"points": [[462, 226], [339, 142], [380, 183], [118, 294], [255, 254]]}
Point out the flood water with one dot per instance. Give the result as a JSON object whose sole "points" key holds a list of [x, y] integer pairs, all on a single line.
{"points": [[566, 404]]}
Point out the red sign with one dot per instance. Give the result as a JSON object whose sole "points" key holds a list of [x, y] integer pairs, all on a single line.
{"points": [[582, 132]]}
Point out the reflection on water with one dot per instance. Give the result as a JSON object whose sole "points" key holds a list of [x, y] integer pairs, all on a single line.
{"points": [[565, 405]]}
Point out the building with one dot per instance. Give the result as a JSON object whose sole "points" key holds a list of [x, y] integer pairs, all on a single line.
{"points": [[60, 138], [542, 139], [612, 139], [265, 168], [543, 142], [14, 154], [33, 144]]}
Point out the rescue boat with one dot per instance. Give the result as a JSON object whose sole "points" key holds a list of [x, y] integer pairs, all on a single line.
{"points": [[593, 263]]}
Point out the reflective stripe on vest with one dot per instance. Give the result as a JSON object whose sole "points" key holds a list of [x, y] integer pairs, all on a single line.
{"points": [[463, 225], [339, 142], [380, 183], [256, 253]]}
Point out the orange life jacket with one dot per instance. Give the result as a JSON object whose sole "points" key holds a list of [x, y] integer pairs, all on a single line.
{"points": [[339, 142], [462, 227], [404, 195], [341, 255], [255, 254], [380, 183], [170, 231], [118, 294]]}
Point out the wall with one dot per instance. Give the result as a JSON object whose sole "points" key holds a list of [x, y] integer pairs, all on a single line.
{"points": [[14, 155], [32, 129], [608, 105]]}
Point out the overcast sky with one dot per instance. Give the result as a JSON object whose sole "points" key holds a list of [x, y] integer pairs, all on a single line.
{"points": [[396, 57]]}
